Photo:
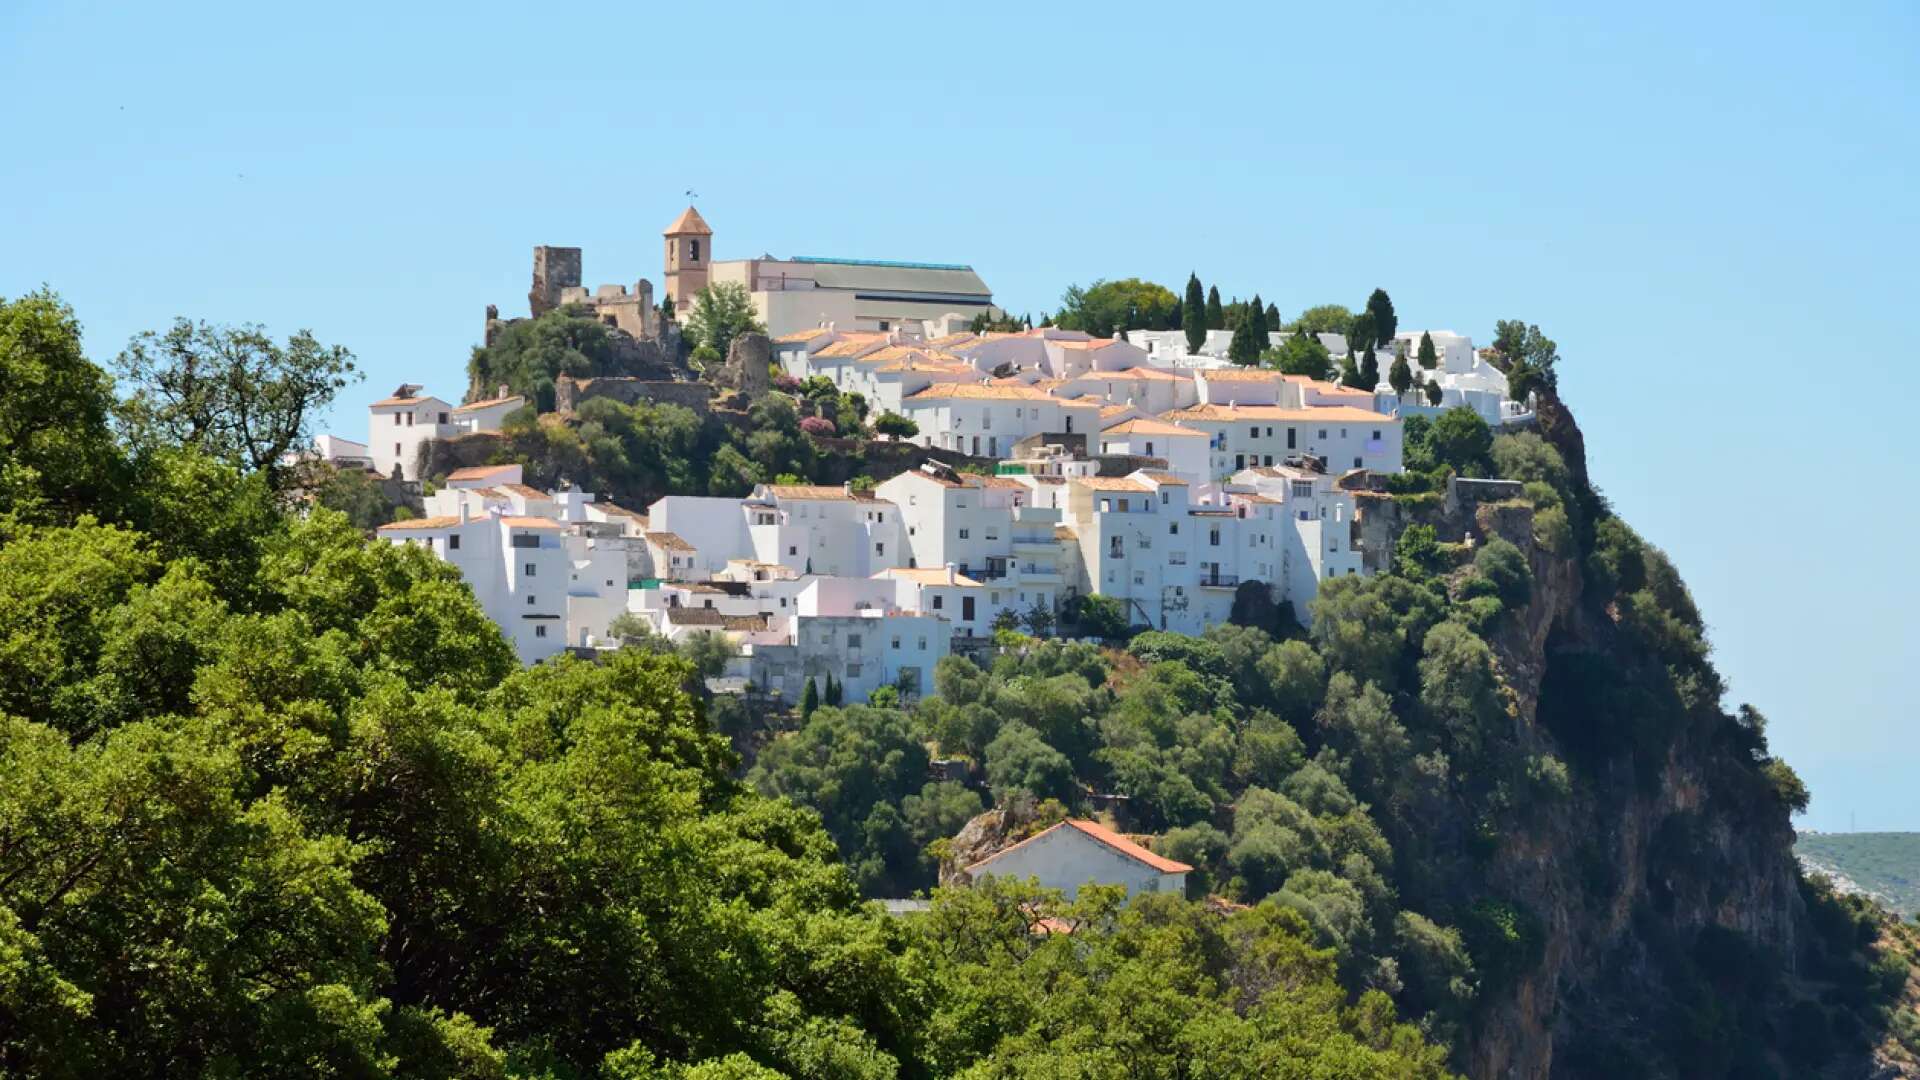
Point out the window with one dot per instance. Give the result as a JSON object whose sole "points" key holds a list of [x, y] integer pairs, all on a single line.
{"points": [[1291, 433], [923, 643], [1149, 449], [966, 609], [396, 423], [1213, 536], [853, 641], [524, 540], [993, 534], [1176, 558], [530, 599], [693, 255], [1139, 577], [539, 631], [1114, 548], [453, 543], [1356, 463], [1173, 528], [938, 601], [966, 534], [1253, 432], [1302, 489], [443, 418], [1376, 433], [409, 419], [793, 549], [885, 325], [396, 446], [530, 569], [896, 642], [1323, 433], [879, 549], [1145, 543], [1333, 543], [1124, 505], [853, 670], [1163, 493]]}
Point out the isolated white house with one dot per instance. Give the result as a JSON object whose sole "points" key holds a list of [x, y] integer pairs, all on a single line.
{"points": [[398, 425], [1076, 853]]}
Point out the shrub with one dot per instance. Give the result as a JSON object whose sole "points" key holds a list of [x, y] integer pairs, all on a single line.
{"points": [[817, 425], [1502, 564]]}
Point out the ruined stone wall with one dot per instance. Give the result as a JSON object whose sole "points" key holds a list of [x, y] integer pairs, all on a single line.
{"points": [[554, 269]]}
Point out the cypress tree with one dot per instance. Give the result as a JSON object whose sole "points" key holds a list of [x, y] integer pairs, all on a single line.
{"points": [[1245, 347], [1428, 358], [1176, 317], [1257, 314], [1193, 315], [1385, 322], [1216, 317], [1273, 318], [1433, 393], [809, 699], [1361, 333], [1400, 376], [1369, 370]]}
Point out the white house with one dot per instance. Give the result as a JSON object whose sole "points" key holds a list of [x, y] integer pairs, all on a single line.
{"points": [[1184, 449], [1076, 853], [1244, 436], [399, 424], [987, 419], [817, 529], [961, 602]]}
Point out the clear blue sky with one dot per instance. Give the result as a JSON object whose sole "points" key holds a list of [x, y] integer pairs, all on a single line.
{"points": [[1711, 209]]}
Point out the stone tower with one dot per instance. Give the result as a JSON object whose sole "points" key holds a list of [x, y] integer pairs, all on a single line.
{"points": [[554, 269], [689, 251]]}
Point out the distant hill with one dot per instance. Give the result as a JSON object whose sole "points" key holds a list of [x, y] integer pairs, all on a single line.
{"points": [[1883, 864]]}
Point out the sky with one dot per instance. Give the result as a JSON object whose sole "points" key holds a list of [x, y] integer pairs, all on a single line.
{"points": [[1709, 207]]}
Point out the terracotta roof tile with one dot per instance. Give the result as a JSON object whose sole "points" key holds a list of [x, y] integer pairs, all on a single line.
{"points": [[489, 403], [670, 541], [421, 523]]}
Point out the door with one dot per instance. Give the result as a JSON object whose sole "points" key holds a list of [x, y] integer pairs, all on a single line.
{"points": [[966, 609]]}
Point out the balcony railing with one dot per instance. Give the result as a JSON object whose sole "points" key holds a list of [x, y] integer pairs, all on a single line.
{"points": [[1211, 579]]}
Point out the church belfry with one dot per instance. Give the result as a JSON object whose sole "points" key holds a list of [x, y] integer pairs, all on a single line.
{"points": [[689, 251]]}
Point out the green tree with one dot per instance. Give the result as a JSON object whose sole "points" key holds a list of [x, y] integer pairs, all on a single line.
{"points": [[1460, 438], [1257, 314], [720, 313], [1038, 619], [1429, 358], [1301, 354], [1216, 316], [1400, 376], [1369, 369], [1385, 322], [1107, 307], [1361, 333], [353, 492], [529, 354], [1193, 312], [1434, 394], [231, 392], [58, 457], [1529, 356], [809, 700], [1324, 319], [894, 425], [1247, 344]]}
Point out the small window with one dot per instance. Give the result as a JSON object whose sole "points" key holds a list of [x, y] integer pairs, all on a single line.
{"points": [[938, 601], [793, 549], [853, 671], [443, 418], [1163, 494], [853, 641], [530, 599], [539, 631], [966, 534], [453, 543], [530, 569], [923, 643], [1213, 537], [1356, 463], [693, 254], [879, 549], [1139, 578], [896, 641]]}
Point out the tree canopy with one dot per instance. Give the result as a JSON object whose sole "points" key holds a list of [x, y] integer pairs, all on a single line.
{"points": [[1106, 308], [720, 313]]}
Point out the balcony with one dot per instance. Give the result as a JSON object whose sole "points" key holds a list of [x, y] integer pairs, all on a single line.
{"points": [[1215, 580]]}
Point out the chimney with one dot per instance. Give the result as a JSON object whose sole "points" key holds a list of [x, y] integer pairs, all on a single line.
{"points": [[952, 574], [463, 509], [848, 488]]}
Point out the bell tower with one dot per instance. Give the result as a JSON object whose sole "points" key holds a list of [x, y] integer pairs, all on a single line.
{"points": [[689, 251]]}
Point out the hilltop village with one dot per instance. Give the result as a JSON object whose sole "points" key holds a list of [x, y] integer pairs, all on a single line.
{"points": [[1050, 480]]}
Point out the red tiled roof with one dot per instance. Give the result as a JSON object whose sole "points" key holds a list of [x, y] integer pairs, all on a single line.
{"points": [[1104, 835]]}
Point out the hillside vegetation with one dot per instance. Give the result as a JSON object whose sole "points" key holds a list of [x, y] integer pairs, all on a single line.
{"points": [[1884, 865], [275, 801]]}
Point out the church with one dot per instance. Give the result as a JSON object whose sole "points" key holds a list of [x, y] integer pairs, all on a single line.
{"points": [[808, 291]]}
